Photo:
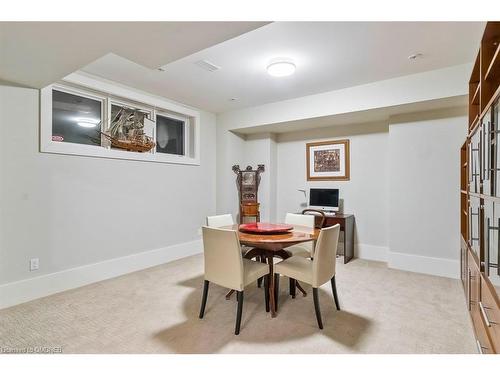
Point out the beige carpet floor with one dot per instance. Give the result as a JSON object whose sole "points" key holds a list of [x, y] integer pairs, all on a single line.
{"points": [[156, 311]]}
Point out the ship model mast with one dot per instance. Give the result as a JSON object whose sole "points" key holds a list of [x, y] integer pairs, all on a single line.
{"points": [[127, 131]]}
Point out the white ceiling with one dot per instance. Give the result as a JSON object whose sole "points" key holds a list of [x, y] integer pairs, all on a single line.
{"points": [[328, 55], [36, 54]]}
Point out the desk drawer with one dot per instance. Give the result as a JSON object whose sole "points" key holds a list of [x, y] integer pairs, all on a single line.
{"points": [[489, 311], [330, 221]]}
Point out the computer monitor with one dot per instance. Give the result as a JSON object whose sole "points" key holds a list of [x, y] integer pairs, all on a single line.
{"points": [[324, 199]]}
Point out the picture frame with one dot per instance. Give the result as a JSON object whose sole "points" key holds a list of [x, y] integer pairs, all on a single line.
{"points": [[328, 160]]}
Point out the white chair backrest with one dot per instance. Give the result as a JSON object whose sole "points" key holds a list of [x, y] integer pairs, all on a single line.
{"points": [[298, 219], [220, 220], [223, 260], [324, 260]]}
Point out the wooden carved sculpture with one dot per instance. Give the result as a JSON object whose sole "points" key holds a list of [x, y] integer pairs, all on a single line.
{"points": [[247, 182]]}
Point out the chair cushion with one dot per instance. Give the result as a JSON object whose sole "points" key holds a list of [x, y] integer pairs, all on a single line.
{"points": [[302, 250], [296, 267], [253, 270]]}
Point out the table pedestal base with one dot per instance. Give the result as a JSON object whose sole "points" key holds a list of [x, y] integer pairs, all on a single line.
{"points": [[269, 255]]}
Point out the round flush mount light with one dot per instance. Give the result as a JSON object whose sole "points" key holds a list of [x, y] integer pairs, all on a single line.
{"points": [[281, 67]]}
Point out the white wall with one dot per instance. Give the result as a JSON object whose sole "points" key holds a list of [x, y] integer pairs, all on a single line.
{"points": [[424, 195], [364, 195], [261, 149], [230, 151], [70, 211]]}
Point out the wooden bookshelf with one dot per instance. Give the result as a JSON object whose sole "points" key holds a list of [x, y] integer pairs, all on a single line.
{"points": [[475, 95], [474, 92], [493, 68], [480, 194], [489, 64]]}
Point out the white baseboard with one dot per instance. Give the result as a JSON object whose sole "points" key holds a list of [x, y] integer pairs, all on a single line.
{"points": [[371, 252], [422, 264], [409, 262], [41, 286]]}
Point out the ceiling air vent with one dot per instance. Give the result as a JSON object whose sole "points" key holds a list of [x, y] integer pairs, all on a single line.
{"points": [[207, 65]]}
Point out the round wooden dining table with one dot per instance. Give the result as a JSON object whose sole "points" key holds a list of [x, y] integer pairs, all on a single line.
{"points": [[269, 246]]}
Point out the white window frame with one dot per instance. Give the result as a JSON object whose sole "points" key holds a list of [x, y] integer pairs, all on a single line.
{"points": [[110, 92]]}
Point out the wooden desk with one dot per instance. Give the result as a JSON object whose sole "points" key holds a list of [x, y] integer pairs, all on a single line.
{"points": [[346, 222]]}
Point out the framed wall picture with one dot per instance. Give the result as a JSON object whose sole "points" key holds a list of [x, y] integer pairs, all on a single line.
{"points": [[328, 160]]}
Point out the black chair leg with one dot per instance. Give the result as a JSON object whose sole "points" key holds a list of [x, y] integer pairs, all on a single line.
{"points": [[259, 280], [266, 291], [238, 314], [316, 308], [334, 291], [276, 290], [204, 298], [292, 287]]}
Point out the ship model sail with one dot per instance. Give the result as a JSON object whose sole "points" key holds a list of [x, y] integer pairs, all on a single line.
{"points": [[127, 131]]}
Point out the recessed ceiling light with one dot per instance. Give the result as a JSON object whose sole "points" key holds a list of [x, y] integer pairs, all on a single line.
{"points": [[233, 99], [281, 67], [415, 56]]}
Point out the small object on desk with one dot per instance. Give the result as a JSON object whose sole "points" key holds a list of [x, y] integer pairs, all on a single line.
{"points": [[265, 228]]}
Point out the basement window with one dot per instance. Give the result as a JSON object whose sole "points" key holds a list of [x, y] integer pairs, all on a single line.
{"points": [[89, 117]]}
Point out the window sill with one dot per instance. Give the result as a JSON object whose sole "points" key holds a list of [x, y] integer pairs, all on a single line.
{"points": [[100, 152]]}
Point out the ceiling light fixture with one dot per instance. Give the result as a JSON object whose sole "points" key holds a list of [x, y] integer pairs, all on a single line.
{"points": [[281, 67]]}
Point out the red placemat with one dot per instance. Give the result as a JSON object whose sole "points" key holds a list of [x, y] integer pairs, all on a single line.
{"points": [[265, 228]]}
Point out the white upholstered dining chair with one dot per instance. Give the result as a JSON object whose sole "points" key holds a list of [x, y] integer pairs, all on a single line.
{"points": [[225, 220], [317, 271], [225, 266], [218, 221], [304, 249]]}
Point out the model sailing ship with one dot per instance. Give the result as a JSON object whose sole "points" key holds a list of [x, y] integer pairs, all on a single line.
{"points": [[127, 131]]}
